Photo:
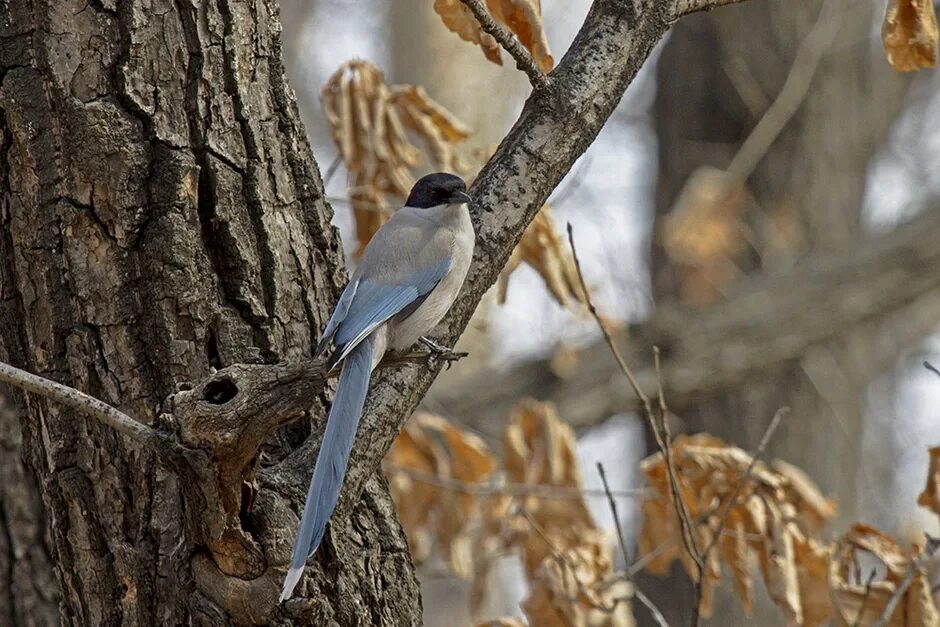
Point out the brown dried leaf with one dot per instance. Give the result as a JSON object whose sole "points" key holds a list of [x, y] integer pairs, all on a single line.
{"points": [[776, 508], [503, 622], [539, 449], [458, 19], [930, 497], [737, 554], [522, 17], [854, 604], [576, 588], [702, 234], [780, 575], [811, 506], [812, 566], [429, 445], [909, 34], [375, 127], [542, 248]]}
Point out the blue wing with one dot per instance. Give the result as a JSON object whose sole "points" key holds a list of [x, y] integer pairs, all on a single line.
{"points": [[339, 314], [371, 302]]}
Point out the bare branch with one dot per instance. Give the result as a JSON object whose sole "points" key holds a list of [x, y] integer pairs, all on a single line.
{"points": [[624, 368], [510, 44], [84, 404], [791, 95], [685, 7], [660, 431], [929, 366], [929, 549]]}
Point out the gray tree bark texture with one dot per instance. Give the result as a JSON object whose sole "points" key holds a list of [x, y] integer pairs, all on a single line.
{"points": [[162, 216]]}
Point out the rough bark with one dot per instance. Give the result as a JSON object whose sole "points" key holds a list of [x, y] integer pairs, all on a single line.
{"points": [[162, 216], [28, 592]]}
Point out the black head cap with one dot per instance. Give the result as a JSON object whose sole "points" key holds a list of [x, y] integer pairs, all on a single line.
{"points": [[436, 189]]}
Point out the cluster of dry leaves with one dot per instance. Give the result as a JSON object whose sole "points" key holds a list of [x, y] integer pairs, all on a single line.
{"points": [[773, 526], [388, 135], [454, 495]]}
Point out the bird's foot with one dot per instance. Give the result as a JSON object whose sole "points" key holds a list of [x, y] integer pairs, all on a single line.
{"points": [[440, 352]]}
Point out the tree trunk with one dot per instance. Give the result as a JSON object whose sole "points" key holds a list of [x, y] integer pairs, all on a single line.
{"points": [[28, 592], [162, 216]]}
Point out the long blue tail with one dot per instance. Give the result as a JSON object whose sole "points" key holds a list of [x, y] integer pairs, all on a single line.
{"points": [[331, 460]]}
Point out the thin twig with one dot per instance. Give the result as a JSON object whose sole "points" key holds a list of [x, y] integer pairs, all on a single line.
{"points": [[510, 44], [685, 522], [756, 456], [929, 549], [929, 366], [665, 440], [331, 170], [861, 609], [567, 561], [653, 610], [508, 489], [613, 511], [82, 403], [624, 368]]}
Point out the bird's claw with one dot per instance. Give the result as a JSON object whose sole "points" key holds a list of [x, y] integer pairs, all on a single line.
{"points": [[440, 352]]}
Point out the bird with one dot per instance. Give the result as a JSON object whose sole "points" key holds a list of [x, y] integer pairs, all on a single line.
{"points": [[407, 280]]}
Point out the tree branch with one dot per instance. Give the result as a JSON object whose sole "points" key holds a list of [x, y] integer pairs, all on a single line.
{"points": [[86, 405], [510, 44], [685, 7]]}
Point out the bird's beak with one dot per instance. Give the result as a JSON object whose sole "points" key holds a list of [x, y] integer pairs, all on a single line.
{"points": [[460, 198]]}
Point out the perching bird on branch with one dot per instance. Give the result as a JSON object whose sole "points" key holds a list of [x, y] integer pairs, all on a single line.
{"points": [[408, 278]]}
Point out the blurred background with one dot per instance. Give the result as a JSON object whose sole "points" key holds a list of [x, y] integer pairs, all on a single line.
{"points": [[798, 290]]}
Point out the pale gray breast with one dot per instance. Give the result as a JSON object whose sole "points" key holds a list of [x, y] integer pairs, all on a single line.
{"points": [[456, 232]]}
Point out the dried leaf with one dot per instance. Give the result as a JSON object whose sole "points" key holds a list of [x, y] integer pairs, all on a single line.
{"points": [[503, 622], [930, 497], [522, 17], [811, 506], [812, 567], [430, 514], [855, 605], [576, 588], [546, 252], [776, 508], [702, 234], [539, 449], [909, 34], [375, 127]]}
